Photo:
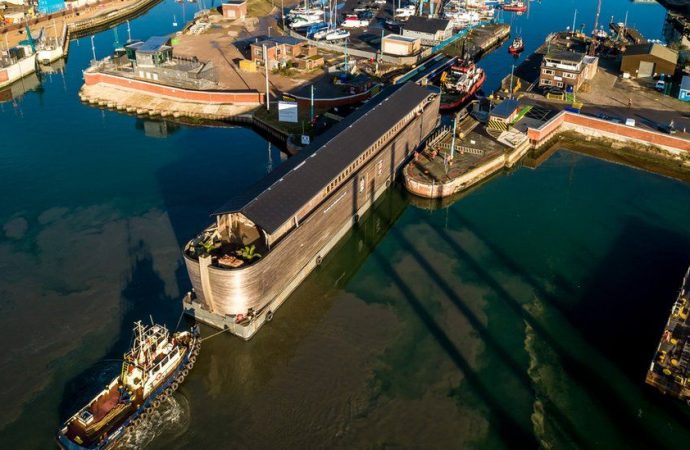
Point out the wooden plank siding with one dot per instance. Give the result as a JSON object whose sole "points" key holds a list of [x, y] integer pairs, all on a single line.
{"points": [[297, 248]]}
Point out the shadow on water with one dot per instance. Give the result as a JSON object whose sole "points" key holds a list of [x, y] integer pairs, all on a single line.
{"points": [[595, 383], [240, 369], [143, 295], [507, 427]]}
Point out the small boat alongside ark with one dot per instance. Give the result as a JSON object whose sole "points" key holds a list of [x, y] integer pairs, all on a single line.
{"points": [[152, 369]]}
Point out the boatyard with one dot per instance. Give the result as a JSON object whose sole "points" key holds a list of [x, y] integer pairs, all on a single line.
{"points": [[442, 213]]}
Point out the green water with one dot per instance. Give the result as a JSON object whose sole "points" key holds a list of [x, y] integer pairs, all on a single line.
{"points": [[524, 314]]}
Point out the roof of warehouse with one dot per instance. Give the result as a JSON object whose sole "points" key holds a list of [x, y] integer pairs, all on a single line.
{"points": [[276, 198], [425, 24], [657, 50]]}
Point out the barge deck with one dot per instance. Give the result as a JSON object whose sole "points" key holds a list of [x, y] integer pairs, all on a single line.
{"points": [[670, 370]]}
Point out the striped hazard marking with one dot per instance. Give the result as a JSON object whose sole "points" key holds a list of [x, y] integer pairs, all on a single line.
{"points": [[497, 125]]}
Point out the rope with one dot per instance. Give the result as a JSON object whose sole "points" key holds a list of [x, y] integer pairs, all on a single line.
{"points": [[214, 334], [179, 320]]}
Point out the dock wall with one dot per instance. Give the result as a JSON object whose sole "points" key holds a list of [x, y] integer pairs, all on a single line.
{"points": [[593, 128], [468, 179], [208, 97]]}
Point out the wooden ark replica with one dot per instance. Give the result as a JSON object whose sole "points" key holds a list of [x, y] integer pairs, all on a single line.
{"points": [[265, 241]]}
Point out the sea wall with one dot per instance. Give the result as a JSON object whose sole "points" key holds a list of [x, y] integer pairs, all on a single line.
{"points": [[593, 128], [187, 95], [470, 178]]}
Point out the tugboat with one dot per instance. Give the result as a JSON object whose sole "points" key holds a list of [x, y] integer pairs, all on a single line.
{"points": [[152, 369], [515, 6], [517, 46], [459, 84]]}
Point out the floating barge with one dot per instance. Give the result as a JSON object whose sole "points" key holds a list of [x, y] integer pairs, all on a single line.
{"points": [[265, 241], [670, 369]]}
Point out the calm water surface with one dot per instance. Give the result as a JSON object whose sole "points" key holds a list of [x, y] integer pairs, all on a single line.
{"points": [[523, 315]]}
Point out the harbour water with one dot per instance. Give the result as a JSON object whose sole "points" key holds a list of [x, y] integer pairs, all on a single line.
{"points": [[523, 314]]}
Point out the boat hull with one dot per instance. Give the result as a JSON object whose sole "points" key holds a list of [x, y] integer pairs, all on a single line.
{"points": [[133, 417], [463, 100], [219, 294], [18, 70]]}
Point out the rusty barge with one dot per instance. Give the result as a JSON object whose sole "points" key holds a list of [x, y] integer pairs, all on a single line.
{"points": [[669, 372], [265, 241]]}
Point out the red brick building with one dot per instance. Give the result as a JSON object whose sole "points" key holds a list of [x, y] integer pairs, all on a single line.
{"points": [[235, 9], [567, 70]]}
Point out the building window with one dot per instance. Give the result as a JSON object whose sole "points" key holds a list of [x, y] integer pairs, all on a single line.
{"points": [[546, 82], [559, 84], [362, 184], [379, 167], [547, 72]]}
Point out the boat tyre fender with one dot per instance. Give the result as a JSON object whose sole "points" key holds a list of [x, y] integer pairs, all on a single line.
{"points": [[192, 359], [174, 385], [185, 372], [269, 315], [195, 352], [144, 415], [319, 260], [156, 403], [167, 391], [388, 182]]}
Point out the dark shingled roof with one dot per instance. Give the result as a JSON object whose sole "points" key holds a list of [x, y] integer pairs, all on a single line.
{"points": [[425, 24], [278, 197]]}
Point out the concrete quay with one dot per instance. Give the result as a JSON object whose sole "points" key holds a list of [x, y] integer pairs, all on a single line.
{"points": [[479, 153], [136, 101]]}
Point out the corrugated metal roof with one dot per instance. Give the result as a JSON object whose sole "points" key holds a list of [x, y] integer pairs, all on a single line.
{"points": [[657, 50], [279, 196], [505, 108], [153, 44]]}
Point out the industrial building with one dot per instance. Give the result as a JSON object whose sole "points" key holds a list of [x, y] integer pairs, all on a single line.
{"points": [[394, 44], [430, 31], [648, 60]]}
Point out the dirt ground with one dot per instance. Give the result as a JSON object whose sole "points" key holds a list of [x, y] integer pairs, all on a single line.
{"points": [[224, 44]]}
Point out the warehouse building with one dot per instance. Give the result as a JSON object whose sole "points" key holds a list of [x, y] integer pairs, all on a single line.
{"points": [[648, 60]]}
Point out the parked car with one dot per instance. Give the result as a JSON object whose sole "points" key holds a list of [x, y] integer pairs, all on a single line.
{"points": [[668, 129], [661, 84]]}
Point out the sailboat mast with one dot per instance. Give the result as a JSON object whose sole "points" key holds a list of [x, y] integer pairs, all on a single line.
{"points": [[596, 17]]}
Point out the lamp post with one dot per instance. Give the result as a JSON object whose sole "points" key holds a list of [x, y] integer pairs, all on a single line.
{"points": [[268, 97]]}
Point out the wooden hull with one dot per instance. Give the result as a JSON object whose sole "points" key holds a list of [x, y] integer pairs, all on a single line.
{"points": [[265, 284]]}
